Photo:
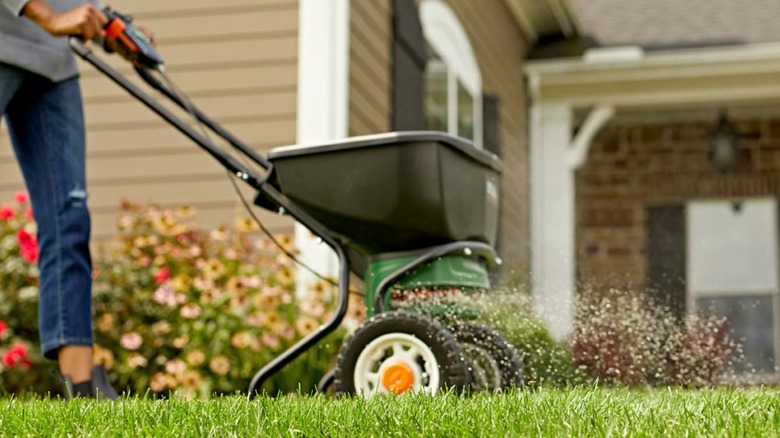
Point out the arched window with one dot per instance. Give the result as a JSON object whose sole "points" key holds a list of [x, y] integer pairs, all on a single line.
{"points": [[453, 82]]}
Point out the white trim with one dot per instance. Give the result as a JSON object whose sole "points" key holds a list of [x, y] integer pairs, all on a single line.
{"points": [[691, 76], [323, 105], [446, 35], [452, 101], [323, 70], [552, 217], [699, 57], [580, 146]]}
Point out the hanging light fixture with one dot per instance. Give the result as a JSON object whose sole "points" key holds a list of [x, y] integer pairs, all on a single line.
{"points": [[723, 146]]}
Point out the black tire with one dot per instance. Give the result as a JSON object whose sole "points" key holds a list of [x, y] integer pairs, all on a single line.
{"points": [[496, 365], [450, 362], [326, 382]]}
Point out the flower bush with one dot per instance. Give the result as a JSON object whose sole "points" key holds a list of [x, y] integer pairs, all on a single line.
{"points": [[17, 359], [179, 309], [620, 338], [176, 309], [21, 367]]}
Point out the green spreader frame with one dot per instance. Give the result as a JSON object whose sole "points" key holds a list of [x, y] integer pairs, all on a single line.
{"points": [[449, 271]]}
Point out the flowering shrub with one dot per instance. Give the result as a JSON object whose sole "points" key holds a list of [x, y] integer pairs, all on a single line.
{"points": [[196, 312], [18, 257], [20, 361], [177, 309], [15, 355], [621, 339]]}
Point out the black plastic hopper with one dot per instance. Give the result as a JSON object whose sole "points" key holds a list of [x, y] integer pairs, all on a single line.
{"points": [[394, 192]]}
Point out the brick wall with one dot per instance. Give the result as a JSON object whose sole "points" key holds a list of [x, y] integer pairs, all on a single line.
{"points": [[633, 166]]}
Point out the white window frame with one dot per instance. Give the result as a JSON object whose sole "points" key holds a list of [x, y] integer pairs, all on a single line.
{"points": [[774, 290], [445, 34]]}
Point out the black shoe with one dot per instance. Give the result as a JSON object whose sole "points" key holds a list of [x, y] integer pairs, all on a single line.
{"points": [[97, 387]]}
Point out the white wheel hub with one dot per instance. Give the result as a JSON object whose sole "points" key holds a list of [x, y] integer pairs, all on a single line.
{"points": [[396, 363]]}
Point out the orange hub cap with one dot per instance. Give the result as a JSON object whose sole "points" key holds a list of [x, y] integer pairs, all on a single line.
{"points": [[398, 378]]}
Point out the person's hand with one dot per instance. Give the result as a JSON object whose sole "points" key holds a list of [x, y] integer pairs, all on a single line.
{"points": [[86, 21]]}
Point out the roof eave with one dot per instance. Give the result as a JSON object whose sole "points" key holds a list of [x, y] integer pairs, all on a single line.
{"points": [[702, 75], [539, 18]]}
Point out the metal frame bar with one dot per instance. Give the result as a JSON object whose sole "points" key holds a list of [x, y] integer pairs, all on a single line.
{"points": [[270, 193]]}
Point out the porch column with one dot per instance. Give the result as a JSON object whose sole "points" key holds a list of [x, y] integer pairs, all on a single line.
{"points": [[323, 106], [552, 217]]}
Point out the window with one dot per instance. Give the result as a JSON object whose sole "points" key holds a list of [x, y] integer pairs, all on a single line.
{"points": [[453, 83], [733, 272], [436, 108]]}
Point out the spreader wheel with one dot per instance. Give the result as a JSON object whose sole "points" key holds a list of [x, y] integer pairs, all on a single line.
{"points": [[326, 382], [495, 364], [398, 352]]}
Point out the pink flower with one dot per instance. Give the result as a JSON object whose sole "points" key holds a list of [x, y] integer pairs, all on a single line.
{"points": [[313, 308], [136, 361], [7, 212], [28, 214], [175, 366], [21, 197], [28, 246], [165, 294], [17, 355], [194, 251], [144, 261], [190, 311], [162, 274], [270, 340], [286, 331], [131, 341], [3, 327], [255, 319], [158, 382]]}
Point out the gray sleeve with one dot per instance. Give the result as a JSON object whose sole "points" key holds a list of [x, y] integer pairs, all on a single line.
{"points": [[98, 4], [15, 6]]}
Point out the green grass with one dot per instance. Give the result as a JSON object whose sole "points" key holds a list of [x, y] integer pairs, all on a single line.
{"points": [[545, 412]]}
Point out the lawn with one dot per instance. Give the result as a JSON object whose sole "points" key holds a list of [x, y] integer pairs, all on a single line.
{"points": [[541, 412]]}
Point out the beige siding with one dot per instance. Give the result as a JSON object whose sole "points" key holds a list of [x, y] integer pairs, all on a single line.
{"points": [[237, 60], [369, 70], [501, 49]]}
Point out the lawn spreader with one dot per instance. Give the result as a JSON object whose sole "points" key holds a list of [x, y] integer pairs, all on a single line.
{"points": [[411, 213]]}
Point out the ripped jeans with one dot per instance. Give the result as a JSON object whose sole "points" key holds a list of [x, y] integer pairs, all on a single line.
{"points": [[46, 124]]}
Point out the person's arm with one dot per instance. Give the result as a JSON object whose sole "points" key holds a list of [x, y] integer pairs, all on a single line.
{"points": [[86, 20]]}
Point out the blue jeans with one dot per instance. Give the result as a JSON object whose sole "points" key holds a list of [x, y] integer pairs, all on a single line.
{"points": [[46, 123]]}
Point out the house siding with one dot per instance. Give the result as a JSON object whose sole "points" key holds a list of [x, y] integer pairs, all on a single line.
{"points": [[369, 69], [236, 60], [501, 48], [634, 166]]}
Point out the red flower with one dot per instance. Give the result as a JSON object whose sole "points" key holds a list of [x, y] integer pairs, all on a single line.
{"points": [[17, 355], [3, 327], [7, 212], [21, 197], [162, 275], [28, 247]]}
